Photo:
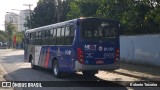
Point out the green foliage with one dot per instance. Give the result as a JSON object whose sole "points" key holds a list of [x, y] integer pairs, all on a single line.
{"points": [[10, 30], [75, 11], [65, 9], [83, 8], [19, 37], [3, 36], [43, 14], [48, 12], [135, 16]]}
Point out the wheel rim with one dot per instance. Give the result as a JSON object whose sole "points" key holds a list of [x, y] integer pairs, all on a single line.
{"points": [[55, 69]]}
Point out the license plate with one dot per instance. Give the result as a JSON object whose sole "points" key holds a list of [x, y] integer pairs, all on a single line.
{"points": [[99, 62]]}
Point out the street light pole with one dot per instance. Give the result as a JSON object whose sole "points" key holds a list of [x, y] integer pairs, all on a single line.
{"points": [[29, 5]]}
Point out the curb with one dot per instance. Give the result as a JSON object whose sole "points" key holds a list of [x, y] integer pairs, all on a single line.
{"points": [[137, 76], [138, 71], [5, 78]]}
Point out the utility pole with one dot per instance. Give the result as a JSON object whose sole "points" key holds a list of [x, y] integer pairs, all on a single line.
{"points": [[59, 2], [29, 5]]}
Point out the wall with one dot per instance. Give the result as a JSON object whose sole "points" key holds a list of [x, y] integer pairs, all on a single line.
{"points": [[140, 49]]}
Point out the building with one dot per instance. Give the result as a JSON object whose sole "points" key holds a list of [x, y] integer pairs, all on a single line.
{"points": [[22, 20], [11, 18]]}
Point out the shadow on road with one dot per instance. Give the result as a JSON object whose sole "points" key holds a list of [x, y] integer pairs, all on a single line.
{"points": [[69, 80]]}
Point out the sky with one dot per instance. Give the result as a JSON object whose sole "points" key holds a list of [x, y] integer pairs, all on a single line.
{"points": [[8, 5]]}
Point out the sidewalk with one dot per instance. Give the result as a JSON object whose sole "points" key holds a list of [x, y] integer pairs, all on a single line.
{"points": [[2, 72], [139, 71]]}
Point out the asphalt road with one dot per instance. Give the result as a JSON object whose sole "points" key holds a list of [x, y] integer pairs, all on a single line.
{"points": [[18, 70]]}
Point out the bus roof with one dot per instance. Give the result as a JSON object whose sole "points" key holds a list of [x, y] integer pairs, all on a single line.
{"points": [[62, 23], [50, 26]]}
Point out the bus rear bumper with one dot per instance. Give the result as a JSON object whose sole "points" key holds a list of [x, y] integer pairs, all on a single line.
{"points": [[81, 67]]}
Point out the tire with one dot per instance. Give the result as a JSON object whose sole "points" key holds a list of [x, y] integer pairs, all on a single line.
{"points": [[55, 69], [89, 73], [32, 65]]}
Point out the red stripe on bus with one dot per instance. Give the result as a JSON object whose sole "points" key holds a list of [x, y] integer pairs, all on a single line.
{"points": [[47, 58]]}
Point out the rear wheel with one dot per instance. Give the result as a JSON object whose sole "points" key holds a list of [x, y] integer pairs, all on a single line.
{"points": [[55, 69], [32, 65]]}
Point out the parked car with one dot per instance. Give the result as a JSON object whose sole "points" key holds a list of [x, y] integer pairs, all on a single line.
{"points": [[3, 45], [0, 43]]}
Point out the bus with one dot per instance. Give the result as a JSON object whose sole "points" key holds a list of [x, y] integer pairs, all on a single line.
{"points": [[80, 45]]}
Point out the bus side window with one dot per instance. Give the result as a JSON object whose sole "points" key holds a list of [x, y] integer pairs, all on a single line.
{"points": [[67, 31], [62, 32], [43, 37], [28, 41], [52, 37], [51, 33], [40, 35], [62, 35], [69, 35], [36, 38], [55, 33], [33, 36], [47, 40], [37, 35], [29, 35], [58, 32], [47, 34], [58, 38]]}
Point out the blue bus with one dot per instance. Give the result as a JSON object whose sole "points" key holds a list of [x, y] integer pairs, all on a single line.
{"points": [[84, 44]]}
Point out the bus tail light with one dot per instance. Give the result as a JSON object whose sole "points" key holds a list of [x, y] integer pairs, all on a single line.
{"points": [[80, 56], [117, 53]]}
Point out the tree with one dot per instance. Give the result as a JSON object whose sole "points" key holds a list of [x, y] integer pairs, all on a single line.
{"points": [[83, 8], [75, 11], [43, 14], [48, 12], [3, 36], [88, 8], [136, 16], [19, 37], [65, 9], [10, 30]]}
